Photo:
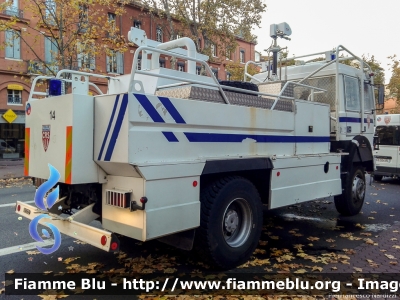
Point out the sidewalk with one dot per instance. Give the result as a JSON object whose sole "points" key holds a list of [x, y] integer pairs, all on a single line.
{"points": [[11, 168]]}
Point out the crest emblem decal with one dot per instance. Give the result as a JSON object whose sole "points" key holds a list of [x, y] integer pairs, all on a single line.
{"points": [[45, 136], [387, 119]]}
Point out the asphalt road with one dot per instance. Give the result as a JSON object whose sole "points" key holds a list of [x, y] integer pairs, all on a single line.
{"points": [[283, 228]]}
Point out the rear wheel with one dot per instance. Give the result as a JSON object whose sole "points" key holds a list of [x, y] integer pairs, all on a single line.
{"points": [[350, 202], [378, 177], [231, 221]]}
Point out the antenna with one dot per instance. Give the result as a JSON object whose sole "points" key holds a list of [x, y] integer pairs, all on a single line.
{"points": [[281, 30]]}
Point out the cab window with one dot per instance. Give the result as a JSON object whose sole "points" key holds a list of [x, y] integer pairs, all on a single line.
{"points": [[352, 93], [388, 135], [368, 98]]}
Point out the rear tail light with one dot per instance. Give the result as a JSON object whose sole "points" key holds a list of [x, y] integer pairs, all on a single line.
{"points": [[114, 246]]}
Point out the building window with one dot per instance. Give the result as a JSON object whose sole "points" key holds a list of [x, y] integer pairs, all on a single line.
{"points": [[162, 63], [86, 60], [159, 34], [213, 50], [199, 43], [50, 11], [14, 97], [50, 53], [112, 21], [13, 10], [115, 62], [228, 76], [241, 56], [137, 24], [228, 55], [83, 18], [198, 70], [139, 62], [215, 72], [13, 44], [181, 66]]}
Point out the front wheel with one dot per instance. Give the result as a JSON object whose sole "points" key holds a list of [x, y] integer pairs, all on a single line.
{"points": [[350, 202], [231, 221]]}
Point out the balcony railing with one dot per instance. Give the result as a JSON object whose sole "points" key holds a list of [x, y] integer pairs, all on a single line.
{"points": [[14, 99], [13, 11]]}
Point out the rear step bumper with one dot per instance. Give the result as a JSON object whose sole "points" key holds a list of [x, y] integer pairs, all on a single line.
{"points": [[75, 226]]}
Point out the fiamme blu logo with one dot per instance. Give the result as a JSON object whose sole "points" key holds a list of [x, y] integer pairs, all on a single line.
{"points": [[40, 203]]}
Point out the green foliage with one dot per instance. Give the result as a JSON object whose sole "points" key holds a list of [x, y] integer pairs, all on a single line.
{"points": [[217, 22], [71, 29], [394, 83], [379, 75], [237, 70]]}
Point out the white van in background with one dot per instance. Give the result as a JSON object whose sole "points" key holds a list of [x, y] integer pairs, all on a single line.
{"points": [[388, 156]]}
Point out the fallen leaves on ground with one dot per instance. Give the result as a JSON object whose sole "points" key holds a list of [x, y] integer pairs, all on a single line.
{"points": [[52, 294], [70, 259], [15, 182], [390, 256]]}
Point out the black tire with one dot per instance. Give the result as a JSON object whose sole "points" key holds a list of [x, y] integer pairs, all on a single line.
{"points": [[240, 85], [378, 177], [350, 202], [231, 222]]}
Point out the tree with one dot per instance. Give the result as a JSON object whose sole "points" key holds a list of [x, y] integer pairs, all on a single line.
{"points": [[218, 22], [394, 83], [379, 74], [236, 70], [73, 32]]}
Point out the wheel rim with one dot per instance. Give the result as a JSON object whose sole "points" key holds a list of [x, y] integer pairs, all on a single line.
{"points": [[358, 189], [237, 222]]}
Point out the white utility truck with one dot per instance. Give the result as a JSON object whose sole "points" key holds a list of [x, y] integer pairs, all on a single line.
{"points": [[189, 160], [387, 151]]}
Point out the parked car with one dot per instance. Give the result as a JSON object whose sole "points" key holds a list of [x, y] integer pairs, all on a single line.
{"points": [[6, 148]]}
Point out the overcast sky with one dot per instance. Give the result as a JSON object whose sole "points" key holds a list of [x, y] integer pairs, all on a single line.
{"points": [[363, 27]]}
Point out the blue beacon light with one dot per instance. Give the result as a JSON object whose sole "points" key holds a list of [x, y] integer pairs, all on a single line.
{"points": [[55, 87]]}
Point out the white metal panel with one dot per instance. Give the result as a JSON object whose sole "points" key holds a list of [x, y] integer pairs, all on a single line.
{"points": [[152, 172], [317, 116], [188, 130], [173, 205], [299, 179], [122, 220], [111, 128], [70, 110]]}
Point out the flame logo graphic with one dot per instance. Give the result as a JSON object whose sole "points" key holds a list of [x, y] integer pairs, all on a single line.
{"points": [[39, 201]]}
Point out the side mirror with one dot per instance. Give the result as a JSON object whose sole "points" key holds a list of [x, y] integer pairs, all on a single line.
{"points": [[376, 142], [381, 94]]}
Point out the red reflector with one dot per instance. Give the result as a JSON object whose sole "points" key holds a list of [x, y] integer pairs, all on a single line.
{"points": [[194, 183], [114, 245], [18, 207], [103, 240], [337, 167], [278, 174], [143, 200]]}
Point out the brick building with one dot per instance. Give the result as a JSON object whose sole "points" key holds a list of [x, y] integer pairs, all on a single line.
{"points": [[18, 65]]}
